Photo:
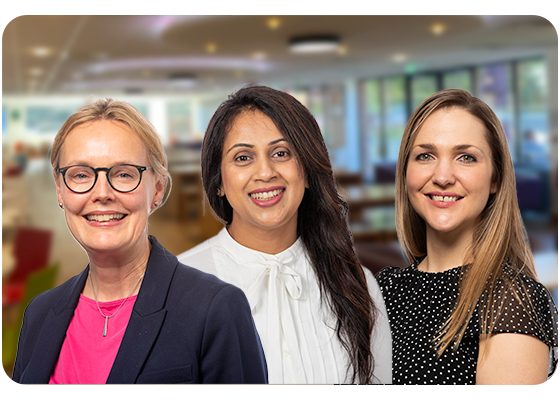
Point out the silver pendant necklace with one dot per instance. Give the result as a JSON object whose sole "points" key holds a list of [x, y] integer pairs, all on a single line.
{"points": [[99, 308]]}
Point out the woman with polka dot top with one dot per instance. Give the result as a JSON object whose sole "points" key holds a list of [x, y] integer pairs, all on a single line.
{"points": [[470, 309]]}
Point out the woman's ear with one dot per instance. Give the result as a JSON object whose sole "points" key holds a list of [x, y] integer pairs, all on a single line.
{"points": [[57, 179], [494, 188], [160, 189]]}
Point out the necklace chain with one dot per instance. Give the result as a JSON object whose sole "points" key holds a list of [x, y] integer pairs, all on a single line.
{"points": [[99, 308]]}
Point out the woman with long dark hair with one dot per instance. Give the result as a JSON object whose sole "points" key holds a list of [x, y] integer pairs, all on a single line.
{"points": [[286, 243], [470, 308]]}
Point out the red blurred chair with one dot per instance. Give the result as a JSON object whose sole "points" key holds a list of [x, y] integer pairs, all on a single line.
{"points": [[31, 252]]}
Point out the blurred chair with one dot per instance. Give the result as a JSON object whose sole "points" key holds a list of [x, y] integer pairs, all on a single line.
{"points": [[36, 283], [345, 178], [31, 252], [385, 172], [376, 255]]}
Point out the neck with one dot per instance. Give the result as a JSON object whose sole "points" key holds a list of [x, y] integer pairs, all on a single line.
{"points": [[270, 241], [113, 277], [445, 250]]}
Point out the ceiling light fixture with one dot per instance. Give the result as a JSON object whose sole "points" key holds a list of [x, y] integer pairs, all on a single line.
{"points": [[437, 28], [41, 51], [399, 57], [211, 47], [182, 77], [35, 71], [273, 23], [314, 44]]}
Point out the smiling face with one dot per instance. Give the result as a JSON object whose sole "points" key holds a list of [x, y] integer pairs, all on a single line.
{"points": [[449, 172], [261, 177], [104, 220]]}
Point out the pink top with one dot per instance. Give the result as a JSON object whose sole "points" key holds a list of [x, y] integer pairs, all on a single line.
{"points": [[86, 356]]}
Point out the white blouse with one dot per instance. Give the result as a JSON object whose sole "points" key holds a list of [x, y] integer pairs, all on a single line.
{"points": [[296, 330]]}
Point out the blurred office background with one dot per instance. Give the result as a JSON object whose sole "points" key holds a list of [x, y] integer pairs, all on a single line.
{"points": [[360, 76]]}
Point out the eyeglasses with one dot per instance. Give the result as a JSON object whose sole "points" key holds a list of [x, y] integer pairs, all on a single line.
{"points": [[123, 178]]}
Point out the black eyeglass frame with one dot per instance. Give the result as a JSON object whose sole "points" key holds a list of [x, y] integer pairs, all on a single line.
{"points": [[107, 171]]}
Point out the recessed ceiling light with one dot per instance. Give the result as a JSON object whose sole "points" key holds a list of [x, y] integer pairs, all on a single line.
{"points": [[314, 44], [399, 57], [438, 28], [211, 47], [35, 71], [273, 23], [182, 77], [259, 55], [41, 51]]}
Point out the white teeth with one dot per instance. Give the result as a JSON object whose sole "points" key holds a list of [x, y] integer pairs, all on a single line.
{"points": [[104, 217], [444, 198], [265, 196]]}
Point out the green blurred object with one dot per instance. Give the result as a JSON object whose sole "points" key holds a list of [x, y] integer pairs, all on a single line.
{"points": [[37, 282]]}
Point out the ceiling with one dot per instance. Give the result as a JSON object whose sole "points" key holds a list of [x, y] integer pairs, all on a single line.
{"points": [[47, 55]]}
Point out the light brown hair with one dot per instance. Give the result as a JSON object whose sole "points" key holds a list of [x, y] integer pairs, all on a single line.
{"points": [[120, 112], [499, 237]]}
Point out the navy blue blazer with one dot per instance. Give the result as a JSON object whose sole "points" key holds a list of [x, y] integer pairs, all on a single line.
{"points": [[186, 327]]}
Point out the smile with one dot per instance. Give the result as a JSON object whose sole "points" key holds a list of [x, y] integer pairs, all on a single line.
{"points": [[444, 199], [104, 217], [266, 196]]}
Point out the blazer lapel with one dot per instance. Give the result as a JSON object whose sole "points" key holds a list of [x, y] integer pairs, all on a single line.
{"points": [[147, 316], [52, 334]]}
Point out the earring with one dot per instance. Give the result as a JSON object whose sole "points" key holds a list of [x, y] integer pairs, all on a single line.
{"points": [[60, 205], [156, 203]]}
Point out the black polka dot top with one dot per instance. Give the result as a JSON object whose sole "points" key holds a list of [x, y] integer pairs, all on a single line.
{"points": [[418, 303]]}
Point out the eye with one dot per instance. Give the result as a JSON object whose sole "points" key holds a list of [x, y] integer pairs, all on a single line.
{"points": [[281, 153], [467, 158], [242, 158], [423, 157]]}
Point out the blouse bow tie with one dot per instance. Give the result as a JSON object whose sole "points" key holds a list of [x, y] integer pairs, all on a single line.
{"points": [[278, 281]]}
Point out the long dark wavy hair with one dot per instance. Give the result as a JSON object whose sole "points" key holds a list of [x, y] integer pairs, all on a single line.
{"points": [[322, 214]]}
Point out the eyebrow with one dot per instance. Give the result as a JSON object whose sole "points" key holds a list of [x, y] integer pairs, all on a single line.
{"points": [[430, 146], [250, 146]]}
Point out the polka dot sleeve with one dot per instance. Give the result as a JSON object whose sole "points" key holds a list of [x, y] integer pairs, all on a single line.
{"points": [[528, 308]]}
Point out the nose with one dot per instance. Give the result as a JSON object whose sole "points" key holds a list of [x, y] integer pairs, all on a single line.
{"points": [[444, 173], [102, 190], [264, 169]]}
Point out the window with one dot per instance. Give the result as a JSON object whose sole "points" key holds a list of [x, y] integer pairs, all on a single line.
{"points": [[533, 119], [179, 115], [460, 79], [422, 86], [47, 119], [395, 118], [494, 87]]}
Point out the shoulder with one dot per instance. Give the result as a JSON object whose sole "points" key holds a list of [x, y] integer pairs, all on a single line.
{"points": [[203, 288], [201, 256], [526, 306], [391, 275], [43, 302]]}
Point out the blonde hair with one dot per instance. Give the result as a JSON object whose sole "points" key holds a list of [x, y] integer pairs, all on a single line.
{"points": [[499, 237], [121, 112]]}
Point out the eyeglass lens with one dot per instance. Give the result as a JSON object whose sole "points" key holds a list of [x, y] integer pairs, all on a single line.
{"points": [[122, 177]]}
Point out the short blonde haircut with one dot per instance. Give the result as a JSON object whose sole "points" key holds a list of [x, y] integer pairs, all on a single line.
{"points": [[118, 111]]}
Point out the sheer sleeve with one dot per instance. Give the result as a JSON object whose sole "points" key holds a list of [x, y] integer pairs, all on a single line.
{"points": [[527, 307]]}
